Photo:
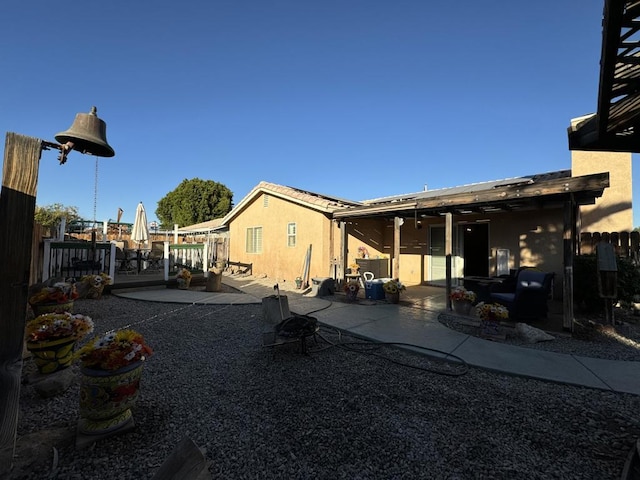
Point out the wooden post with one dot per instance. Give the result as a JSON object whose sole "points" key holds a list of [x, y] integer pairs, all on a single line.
{"points": [[17, 208], [448, 251], [569, 236], [397, 223], [344, 253]]}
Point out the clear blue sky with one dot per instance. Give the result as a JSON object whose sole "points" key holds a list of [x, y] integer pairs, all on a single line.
{"points": [[353, 98]]}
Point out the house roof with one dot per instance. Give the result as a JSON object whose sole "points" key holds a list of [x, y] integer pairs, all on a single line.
{"points": [[312, 200], [615, 126], [203, 227], [472, 187], [546, 190]]}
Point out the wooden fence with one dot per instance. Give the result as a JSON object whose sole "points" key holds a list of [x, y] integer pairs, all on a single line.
{"points": [[626, 244]]}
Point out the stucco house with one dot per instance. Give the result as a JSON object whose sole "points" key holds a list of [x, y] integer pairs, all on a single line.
{"points": [[284, 231], [493, 226]]}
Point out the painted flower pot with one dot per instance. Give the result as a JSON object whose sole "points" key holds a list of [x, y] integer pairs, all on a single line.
{"points": [[106, 398], [392, 297], [352, 295], [183, 283], [462, 307], [95, 292], [53, 307], [52, 355]]}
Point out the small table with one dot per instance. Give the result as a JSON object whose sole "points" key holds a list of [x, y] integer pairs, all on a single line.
{"points": [[482, 286]]}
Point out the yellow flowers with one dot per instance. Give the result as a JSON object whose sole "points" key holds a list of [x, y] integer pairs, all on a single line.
{"points": [[52, 326], [113, 350], [393, 286], [184, 274], [492, 312]]}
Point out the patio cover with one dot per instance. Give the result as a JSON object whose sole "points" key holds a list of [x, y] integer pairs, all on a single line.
{"points": [[615, 127], [547, 190]]}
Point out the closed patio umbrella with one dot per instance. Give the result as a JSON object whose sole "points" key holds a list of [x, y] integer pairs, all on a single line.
{"points": [[140, 230]]}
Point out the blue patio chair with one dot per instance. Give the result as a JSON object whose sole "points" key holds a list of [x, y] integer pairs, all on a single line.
{"points": [[529, 300]]}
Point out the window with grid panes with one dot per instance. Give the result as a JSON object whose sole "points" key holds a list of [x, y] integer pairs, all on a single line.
{"points": [[291, 235], [254, 240]]}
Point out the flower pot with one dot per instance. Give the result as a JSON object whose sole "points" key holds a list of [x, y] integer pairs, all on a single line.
{"points": [[52, 307], [183, 283], [392, 297], [352, 295], [95, 292], [462, 307], [106, 398], [52, 355]]}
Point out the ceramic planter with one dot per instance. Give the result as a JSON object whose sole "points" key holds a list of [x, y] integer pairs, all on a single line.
{"points": [[106, 398], [52, 355], [53, 307], [462, 307]]}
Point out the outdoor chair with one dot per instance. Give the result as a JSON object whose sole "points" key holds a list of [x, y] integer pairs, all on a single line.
{"points": [[155, 256], [529, 299], [122, 262]]}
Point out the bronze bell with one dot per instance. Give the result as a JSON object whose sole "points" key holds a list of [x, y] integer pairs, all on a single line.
{"points": [[88, 134]]}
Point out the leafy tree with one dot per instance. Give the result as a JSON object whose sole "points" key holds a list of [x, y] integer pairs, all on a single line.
{"points": [[194, 201], [50, 216]]}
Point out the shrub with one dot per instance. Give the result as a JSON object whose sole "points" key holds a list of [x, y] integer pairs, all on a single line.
{"points": [[586, 295]]}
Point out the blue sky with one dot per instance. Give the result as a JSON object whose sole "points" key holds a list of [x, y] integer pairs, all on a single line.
{"points": [[352, 98]]}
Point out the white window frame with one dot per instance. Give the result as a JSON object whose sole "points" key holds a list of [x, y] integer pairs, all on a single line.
{"points": [[253, 240], [292, 234]]}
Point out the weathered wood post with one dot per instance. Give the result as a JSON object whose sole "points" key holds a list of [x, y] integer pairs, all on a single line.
{"points": [[17, 208]]}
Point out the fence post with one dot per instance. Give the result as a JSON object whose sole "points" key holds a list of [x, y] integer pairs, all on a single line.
{"points": [[17, 208]]}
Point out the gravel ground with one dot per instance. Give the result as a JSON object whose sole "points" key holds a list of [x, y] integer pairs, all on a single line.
{"points": [[341, 412]]}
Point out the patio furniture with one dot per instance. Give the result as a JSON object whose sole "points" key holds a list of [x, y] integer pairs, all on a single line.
{"points": [[483, 286], [529, 299], [155, 256]]}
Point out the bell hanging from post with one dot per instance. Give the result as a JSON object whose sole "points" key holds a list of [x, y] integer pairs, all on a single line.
{"points": [[88, 134]]}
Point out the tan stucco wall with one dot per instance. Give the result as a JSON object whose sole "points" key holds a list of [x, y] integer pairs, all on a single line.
{"points": [[365, 233], [277, 260], [613, 211]]}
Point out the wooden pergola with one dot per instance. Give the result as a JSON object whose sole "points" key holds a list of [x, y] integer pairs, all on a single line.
{"points": [[615, 127]]}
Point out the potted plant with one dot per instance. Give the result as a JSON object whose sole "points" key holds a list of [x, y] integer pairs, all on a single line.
{"points": [[58, 297], [491, 314], [51, 339], [351, 289], [462, 300], [392, 289], [111, 368], [354, 268], [184, 278], [94, 284]]}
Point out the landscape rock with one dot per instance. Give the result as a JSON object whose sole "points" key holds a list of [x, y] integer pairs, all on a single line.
{"points": [[532, 334], [52, 384]]}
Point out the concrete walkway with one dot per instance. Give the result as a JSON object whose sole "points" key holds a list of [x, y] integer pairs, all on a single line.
{"points": [[419, 326]]}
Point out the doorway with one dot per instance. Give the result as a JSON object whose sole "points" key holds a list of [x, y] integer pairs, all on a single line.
{"points": [[475, 249]]}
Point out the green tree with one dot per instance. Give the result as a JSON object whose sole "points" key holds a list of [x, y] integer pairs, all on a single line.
{"points": [[194, 201], [50, 216]]}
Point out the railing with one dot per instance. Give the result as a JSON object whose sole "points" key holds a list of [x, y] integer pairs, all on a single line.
{"points": [[189, 255], [75, 259]]}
